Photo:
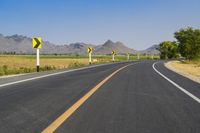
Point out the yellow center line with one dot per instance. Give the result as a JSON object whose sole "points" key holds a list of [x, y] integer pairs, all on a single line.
{"points": [[56, 123]]}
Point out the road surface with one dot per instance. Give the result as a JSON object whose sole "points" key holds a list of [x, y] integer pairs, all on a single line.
{"points": [[134, 99]]}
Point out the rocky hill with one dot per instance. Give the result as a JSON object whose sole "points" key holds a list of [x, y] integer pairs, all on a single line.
{"points": [[23, 45], [153, 50], [108, 46]]}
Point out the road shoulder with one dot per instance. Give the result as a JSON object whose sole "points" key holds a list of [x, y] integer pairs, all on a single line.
{"points": [[182, 69]]}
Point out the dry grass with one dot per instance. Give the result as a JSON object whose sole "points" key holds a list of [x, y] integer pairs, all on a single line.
{"points": [[17, 62], [188, 69], [26, 64]]}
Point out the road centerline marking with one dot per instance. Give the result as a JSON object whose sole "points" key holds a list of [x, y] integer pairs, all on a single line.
{"points": [[63, 117], [176, 85]]}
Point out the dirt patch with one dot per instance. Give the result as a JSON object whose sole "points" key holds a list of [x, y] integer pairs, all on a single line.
{"points": [[189, 70]]}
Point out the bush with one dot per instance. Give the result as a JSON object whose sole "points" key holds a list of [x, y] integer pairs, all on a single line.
{"points": [[168, 50], [189, 42], [75, 65], [2, 71], [47, 68]]}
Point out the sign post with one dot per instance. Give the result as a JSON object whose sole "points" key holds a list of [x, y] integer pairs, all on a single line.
{"points": [[152, 56], [113, 55], [138, 56], [90, 55], [128, 55], [38, 60], [37, 44]]}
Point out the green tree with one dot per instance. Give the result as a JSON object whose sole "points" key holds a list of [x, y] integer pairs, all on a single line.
{"points": [[188, 42], [168, 50]]}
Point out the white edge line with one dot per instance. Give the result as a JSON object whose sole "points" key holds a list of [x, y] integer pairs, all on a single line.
{"points": [[53, 74], [176, 85]]}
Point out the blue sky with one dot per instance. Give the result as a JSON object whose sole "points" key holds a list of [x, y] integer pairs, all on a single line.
{"points": [[137, 23]]}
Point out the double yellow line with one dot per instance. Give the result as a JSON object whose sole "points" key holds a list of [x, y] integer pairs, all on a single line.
{"points": [[56, 123]]}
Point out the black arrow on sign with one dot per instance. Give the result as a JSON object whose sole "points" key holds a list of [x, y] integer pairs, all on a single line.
{"points": [[38, 43], [89, 50]]}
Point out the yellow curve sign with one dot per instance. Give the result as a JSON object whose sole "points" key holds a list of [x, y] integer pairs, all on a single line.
{"points": [[89, 49], [113, 52], [37, 42]]}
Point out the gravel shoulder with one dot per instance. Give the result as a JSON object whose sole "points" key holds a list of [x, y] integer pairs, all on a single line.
{"points": [[191, 71]]}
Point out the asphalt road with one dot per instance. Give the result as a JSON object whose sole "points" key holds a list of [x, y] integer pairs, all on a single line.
{"points": [[134, 100]]}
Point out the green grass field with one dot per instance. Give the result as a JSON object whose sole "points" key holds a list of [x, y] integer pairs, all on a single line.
{"points": [[16, 64]]}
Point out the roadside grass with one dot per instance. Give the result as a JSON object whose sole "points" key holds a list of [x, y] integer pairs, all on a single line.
{"points": [[195, 62], [26, 64], [17, 64]]}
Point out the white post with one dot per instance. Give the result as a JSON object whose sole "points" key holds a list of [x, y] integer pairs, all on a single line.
{"points": [[113, 57], [38, 59], [138, 56], [127, 56], [90, 58]]}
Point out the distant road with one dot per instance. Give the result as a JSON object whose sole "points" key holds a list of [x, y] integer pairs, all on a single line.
{"points": [[129, 97]]}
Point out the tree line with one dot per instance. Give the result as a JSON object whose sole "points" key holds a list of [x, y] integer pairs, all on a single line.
{"points": [[187, 45]]}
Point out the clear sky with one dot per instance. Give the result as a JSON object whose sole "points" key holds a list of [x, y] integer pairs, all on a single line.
{"points": [[137, 23]]}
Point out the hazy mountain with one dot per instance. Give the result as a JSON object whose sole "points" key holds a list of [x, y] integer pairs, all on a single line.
{"points": [[79, 48], [108, 46], [151, 50], [15, 43], [23, 45]]}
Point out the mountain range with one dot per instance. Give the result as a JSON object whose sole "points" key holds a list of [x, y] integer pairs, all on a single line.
{"points": [[23, 45]]}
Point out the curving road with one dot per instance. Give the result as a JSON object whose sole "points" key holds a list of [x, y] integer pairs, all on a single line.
{"points": [[134, 99]]}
